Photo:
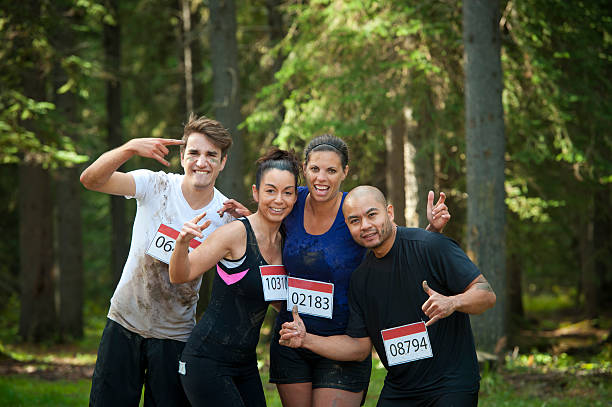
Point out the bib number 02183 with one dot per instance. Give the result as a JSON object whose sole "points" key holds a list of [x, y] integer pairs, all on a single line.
{"points": [[311, 297], [406, 343]]}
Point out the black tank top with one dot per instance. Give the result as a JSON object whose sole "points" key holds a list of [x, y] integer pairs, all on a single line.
{"points": [[229, 329]]}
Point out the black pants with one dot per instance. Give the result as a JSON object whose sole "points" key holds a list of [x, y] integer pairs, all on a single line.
{"points": [[126, 361], [444, 400], [208, 382]]}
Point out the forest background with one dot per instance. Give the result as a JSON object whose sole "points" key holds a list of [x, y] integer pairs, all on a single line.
{"points": [[393, 78]]}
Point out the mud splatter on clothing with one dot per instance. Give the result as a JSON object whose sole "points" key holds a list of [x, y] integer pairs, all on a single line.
{"points": [[145, 301]]}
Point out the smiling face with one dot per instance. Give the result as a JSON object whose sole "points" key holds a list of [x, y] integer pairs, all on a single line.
{"points": [[369, 221], [324, 175], [202, 162], [276, 194]]}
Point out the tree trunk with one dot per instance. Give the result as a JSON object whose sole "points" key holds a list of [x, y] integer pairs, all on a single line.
{"points": [[226, 89], [394, 141], [277, 30], [112, 49], [185, 6], [516, 312], [37, 321], [602, 245], [485, 145], [425, 158], [419, 164], [588, 272], [70, 253], [69, 243]]}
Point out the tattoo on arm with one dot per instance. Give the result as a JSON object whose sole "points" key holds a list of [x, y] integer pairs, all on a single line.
{"points": [[483, 284]]}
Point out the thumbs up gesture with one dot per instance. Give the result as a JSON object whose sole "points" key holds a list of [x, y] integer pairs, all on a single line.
{"points": [[191, 229], [437, 306], [292, 334]]}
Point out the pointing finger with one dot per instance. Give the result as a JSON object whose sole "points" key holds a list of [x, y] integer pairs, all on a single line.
{"points": [[171, 141], [205, 224], [198, 218], [431, 321], [441, 199], [430, 199], [161, 159]]}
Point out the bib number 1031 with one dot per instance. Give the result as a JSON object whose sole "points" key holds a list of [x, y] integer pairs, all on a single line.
{"points": [[406, 343], [274, 282]]}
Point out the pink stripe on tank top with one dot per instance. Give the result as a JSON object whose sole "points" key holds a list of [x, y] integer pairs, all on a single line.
{"points": [[230, 278]]}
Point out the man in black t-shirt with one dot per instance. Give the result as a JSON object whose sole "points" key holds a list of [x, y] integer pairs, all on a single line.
{"points": [[410, 298]]}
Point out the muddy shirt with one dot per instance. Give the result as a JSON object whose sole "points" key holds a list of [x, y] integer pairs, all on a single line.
{"points": [[229, 329], [145, 301]]}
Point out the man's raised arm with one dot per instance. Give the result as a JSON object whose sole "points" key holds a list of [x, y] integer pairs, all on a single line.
{"points": [[336, 347], [102, 174], [476, 299]]}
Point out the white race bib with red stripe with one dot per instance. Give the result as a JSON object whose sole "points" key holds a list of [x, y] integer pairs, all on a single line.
{"points": [[406, 343], [312, 297], [163, 242], [274, 282]]}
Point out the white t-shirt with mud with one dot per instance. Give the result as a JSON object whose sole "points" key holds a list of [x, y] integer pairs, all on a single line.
{"points": [[145, 301]]}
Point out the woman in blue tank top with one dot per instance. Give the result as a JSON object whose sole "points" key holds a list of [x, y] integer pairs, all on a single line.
{"points": [[319, 255], [218, 366]]}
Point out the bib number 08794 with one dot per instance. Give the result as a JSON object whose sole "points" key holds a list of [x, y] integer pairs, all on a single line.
{"points": [[406, 343]]}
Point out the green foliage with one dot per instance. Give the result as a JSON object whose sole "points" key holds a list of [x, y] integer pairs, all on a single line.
{"points": [[29, 124], [351, 68]]}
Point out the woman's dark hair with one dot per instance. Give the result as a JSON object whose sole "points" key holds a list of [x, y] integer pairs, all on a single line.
{"points": [[327, 142], [279, 159]]}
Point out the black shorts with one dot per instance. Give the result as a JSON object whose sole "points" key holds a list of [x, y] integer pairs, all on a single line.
{"points": [[289, 365], [126, 361], [455, 399]]}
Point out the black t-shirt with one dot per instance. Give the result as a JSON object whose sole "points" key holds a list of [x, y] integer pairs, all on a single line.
{"points": [[387, 293]]}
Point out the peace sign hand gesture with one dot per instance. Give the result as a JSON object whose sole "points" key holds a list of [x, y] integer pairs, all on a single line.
{"points": [[191, 229], [152, 148], [438, 215]]}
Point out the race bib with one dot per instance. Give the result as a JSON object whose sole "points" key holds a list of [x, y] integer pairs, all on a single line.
{"points": [[406, 343], [163, 242], [312, 297], [274, 282]]}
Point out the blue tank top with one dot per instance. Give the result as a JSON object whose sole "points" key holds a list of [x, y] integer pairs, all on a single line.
{"points": [[330, 257]]}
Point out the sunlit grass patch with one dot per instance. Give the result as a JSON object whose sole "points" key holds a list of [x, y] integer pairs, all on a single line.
{"points": [[558, 298], [16, 391]]}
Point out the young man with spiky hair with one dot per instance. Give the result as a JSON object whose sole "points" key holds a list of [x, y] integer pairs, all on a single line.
{"points": [[150, 319]]}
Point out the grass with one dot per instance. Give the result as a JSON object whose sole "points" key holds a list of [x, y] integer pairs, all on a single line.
{"points": [[528, 379], [16, 391]]}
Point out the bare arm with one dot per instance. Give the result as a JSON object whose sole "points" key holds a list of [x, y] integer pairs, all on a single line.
{"points": [[337, 347], [223, 242], [102, 174], [476, 299]]}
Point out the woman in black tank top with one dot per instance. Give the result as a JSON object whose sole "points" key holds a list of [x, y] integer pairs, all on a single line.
{"points": [[219, 363]]}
